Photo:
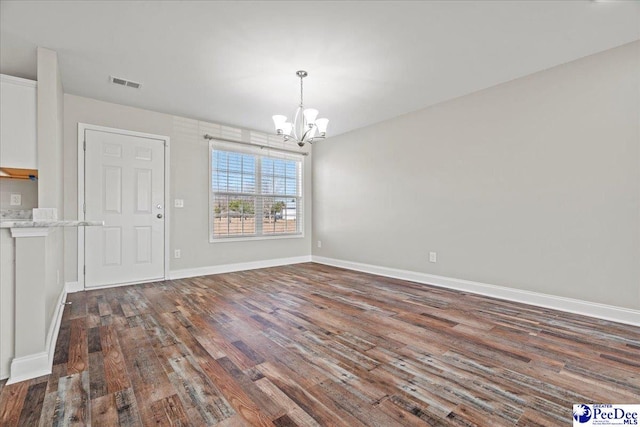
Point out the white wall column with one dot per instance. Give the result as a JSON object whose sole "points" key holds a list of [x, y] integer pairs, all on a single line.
{"points": [[31, 357]]}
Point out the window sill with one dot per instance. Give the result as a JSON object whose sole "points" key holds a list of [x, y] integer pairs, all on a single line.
{"points": [[247, 239]]}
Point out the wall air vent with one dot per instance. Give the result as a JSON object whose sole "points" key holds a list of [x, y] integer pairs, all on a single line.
{"points": [[124, 82]]}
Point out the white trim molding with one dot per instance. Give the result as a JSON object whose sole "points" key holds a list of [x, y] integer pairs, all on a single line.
{"points": [[586, 308], [18, 80], [54, 327], [38, 364], [28, 367], [241, 266], [119, 285], [29, 231], [73, 287], [205, 271]]}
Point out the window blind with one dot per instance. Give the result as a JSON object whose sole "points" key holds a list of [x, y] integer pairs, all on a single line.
{"points": [[254, 193]]}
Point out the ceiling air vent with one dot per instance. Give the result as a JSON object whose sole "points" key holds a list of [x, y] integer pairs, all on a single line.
{"points": [[124, 82]]}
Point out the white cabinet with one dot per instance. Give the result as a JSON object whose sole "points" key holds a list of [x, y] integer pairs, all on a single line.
{"points": [[18, 145]]}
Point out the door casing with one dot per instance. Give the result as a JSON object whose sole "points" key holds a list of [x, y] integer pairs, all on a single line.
{"points": [[82, 127]]}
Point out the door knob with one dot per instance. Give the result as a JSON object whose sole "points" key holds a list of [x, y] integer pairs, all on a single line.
{"points": [[159, 215]]}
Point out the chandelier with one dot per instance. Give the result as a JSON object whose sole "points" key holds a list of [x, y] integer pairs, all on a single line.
{"points": [[305, 127]]}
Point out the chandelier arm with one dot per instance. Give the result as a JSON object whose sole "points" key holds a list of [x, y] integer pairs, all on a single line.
{"points": [[306, 133]]}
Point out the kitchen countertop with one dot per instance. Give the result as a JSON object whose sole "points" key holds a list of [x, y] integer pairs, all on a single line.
{"points": [[22, 223], [16, 214]]}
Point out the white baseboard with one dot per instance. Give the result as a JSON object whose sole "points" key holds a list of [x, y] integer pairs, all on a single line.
{"points": [[54, 328], [28, 367], [586, 308], [213, 269], [38, 364], [73, 287], [241, 266]]}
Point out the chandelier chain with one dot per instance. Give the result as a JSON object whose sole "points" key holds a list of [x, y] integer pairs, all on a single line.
{"points": [[301, 103]]}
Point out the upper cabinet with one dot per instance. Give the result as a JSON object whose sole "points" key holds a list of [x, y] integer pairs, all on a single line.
{"points": [[18, 144]]}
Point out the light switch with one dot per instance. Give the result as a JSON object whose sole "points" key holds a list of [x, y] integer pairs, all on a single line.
{"points": [[16, 199], [179, 203]]}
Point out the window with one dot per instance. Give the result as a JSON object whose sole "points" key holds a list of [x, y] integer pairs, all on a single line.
{"points": [[254, 195]]}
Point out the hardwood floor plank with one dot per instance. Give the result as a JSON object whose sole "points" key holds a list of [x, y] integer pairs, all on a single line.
{"points": [[256, 395], [12, 400], [57, 372], [114, 363], [127, 310], [234, 421], [284, 421], [78, 306], [127, 408], [149, 381], [291, 409], [30, 414], [93, 338], [400, 416], [73, 400], [363, 411], [420, 410], [247, 351], [93, 313], [169, 411], [310, 345], [97, 380], [104, 412], [78, 346], [196, 390], [104, 309], [238, 396], [61, 354], [320, 408], [48, 413]]}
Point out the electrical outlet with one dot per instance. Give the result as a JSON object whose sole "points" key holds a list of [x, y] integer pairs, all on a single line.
{"points": [[16, 199], [178, 203], [319, 243], [433, 257], [177, 253]]}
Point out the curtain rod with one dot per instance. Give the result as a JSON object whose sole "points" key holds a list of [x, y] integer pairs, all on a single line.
{"points": [[210, 137]]}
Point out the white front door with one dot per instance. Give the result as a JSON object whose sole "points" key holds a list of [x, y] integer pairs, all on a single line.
{"points": [[124, 187]]}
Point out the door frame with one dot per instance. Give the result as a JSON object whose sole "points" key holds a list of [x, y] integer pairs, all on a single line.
{"points": [[82, 127]]}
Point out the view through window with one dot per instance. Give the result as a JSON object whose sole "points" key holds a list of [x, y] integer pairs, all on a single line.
{"points": [[255, 195]]}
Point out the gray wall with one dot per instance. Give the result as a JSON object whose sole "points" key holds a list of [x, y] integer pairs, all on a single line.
{"points": [[189, 181], [533, 184]]}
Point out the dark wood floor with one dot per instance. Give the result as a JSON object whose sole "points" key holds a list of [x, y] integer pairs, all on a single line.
{"points": [[313, 345]]}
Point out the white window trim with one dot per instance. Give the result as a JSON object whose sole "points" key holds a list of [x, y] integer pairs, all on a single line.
{"points": [[258, 151]]}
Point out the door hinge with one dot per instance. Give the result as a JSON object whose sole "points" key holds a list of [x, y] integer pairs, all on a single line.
{"points": [[84, 270], [84, 207], [84, 145]]}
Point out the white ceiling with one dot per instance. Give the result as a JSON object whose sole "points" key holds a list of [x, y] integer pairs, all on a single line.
{"points": [[235, 62]]}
